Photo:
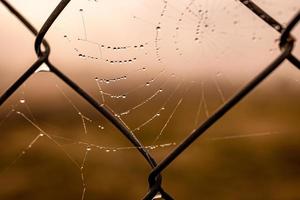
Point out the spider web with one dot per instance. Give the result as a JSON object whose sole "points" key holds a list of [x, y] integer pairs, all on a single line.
{"points": [[171, 67]]}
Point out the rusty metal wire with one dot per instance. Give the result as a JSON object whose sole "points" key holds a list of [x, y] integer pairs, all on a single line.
{"points": [[155, 179]]}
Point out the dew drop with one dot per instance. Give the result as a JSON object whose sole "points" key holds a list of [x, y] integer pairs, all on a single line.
{"points": [[42, 68], [81, 55], [107, 150], [151, 147], [158, 28], [147, 84], [101, 127], [22, 101], [88, 148], [277, 27], [41, 134]]}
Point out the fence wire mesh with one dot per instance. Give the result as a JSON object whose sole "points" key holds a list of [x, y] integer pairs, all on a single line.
{"points": [[42, 49]]}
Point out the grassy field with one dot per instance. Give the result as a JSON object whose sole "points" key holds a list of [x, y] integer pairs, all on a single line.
{"points": [[252, 153]]}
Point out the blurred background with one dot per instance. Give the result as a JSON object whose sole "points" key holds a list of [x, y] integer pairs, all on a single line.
{"points": [[163, 67]]}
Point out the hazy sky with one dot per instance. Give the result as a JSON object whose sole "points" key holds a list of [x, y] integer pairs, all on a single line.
{"points": [[189, 38]]}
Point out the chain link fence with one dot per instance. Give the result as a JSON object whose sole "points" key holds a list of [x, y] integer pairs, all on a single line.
{"points": [[286, 45]]}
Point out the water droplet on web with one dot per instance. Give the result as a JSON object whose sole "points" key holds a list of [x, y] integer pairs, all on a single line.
{"points": [[88, 148], [158, 28], [107, 150], [101, 127], [82, 55], [246, 1], [147, 84], [277, 27], [42, 68], [22, 101], [157, 196], [41, 135]]}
